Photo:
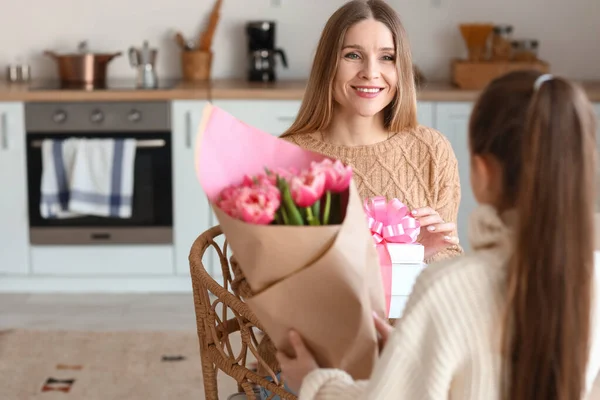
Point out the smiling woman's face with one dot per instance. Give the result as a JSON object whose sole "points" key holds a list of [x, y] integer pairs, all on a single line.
{"points": [[366, 77]]}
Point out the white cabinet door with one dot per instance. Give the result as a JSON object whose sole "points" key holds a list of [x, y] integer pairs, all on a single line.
{"points": [[271, 116], [191, 211], [14, 221], [425, 114], [452, 120]]}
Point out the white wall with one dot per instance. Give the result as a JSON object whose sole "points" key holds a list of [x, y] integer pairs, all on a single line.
{"points": [[569, 31]]}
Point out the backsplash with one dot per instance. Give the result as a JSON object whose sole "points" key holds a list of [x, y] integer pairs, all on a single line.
{"points": [[567, 31]]}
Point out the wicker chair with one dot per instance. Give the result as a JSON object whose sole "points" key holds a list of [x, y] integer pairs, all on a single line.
{"points": [[219, 313]]}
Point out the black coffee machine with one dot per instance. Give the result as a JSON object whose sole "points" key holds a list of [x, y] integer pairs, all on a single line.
{"points": [[262, 51]]}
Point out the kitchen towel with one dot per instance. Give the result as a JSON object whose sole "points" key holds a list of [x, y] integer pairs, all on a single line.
{"points": [[58, 157], [88, 177], [102, 180]]}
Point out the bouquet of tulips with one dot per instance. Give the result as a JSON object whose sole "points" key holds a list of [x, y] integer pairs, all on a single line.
{"points": [[297, 229], [288, 197]]}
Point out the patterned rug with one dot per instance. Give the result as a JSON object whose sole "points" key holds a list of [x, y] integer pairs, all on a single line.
{"points": [[74, 365]]}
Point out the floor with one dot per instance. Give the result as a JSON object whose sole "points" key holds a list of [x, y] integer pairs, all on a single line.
{"points": [[102, 312], [98, 312], [107, 312]]}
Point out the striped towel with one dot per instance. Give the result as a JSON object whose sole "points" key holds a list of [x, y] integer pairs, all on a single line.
{"points": [[87, 177]]}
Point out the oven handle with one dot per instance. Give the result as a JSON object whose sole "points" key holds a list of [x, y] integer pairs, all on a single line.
{"points": [[146, 144]]}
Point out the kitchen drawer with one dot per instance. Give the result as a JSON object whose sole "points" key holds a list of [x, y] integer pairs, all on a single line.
{"points": [[271, 116], [108, 260]]}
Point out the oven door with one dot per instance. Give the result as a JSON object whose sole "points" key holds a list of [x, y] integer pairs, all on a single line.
{"points": [[151, 221]]}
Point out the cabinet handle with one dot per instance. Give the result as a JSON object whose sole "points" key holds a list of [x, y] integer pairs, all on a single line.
{"points": [[286, 119], [188, 129], [3, 131]]}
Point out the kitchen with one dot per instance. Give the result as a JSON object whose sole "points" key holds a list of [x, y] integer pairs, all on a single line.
{"points": [[30, 265], [142, 260]]}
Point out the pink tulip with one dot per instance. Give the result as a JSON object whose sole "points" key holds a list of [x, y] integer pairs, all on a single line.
{"points": [[307, 188], [252, 202], [257, 205], [337, 175]]}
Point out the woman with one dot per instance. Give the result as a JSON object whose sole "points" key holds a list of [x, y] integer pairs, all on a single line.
{"points": [[360, 107], [518, 318]]}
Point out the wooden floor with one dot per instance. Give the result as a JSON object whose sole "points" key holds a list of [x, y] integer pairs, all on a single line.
{"points": [[98, 312]]}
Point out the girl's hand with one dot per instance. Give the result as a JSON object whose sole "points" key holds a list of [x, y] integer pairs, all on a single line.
{"points": [[436, 235], [384, 329], [294, 370]]}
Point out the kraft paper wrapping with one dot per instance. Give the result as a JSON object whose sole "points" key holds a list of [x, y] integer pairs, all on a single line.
{"points": [[323, 281]]}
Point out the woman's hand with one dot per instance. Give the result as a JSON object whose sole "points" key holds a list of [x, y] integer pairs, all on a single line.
{"points": [[294, 370], [436, 235], [384, 329]]}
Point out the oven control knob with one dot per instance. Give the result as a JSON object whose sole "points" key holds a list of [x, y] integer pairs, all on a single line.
{"points": [[134, 116], [59, 117], [97, 116]]}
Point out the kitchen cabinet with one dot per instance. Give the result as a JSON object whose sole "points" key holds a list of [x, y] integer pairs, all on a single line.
{"points": [[426, 114], [275, 116], [191, 211], [14, 222], [271, 116], [452, 120]]}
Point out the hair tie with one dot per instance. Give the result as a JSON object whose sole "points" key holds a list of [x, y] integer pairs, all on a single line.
{"points": [[541, 79]]}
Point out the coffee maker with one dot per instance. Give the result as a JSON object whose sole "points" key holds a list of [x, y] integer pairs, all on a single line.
{"points": [[262, 51]]}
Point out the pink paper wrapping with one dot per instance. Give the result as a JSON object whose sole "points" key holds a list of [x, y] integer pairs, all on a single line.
{"points": [[389, 222]]}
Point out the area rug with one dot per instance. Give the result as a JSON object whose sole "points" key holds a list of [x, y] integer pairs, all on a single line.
{"points": [[74, 365]]}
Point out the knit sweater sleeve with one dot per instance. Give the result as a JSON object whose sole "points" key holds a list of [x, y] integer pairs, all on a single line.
{"points": [[449, 193], [417, 363]]}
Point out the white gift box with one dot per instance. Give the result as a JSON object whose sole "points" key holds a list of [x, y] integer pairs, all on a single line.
{"points": [[407, 264]]}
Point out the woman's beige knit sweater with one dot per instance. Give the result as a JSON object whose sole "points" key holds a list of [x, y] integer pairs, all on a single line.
{"points": [[418, 167]]}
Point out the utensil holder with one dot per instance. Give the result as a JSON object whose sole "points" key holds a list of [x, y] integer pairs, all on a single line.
{"points": [[196, 65]]}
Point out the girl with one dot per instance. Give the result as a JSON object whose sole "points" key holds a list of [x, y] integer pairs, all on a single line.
{"points": [[517, 319], [360, 107]]}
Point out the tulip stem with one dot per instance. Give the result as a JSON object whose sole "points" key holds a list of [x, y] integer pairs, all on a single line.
{"points": [[310, 217], [287, 203], [327, 208], [316, 210]]}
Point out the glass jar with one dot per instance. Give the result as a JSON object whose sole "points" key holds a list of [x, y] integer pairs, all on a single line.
{"points": [[501, 43], [525, 50]]}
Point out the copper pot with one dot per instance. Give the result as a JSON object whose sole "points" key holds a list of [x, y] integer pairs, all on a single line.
{"points": [[84, 67]]}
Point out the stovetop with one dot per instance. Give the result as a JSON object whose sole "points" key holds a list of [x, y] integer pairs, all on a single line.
{"points": [[111, 85]]}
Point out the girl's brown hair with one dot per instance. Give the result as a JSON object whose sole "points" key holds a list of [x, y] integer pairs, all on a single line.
{"points": [[316, 111], [545, 142]]}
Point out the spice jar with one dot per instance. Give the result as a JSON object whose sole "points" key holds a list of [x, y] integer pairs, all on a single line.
{"points": [[501, 43], [525, 50]]}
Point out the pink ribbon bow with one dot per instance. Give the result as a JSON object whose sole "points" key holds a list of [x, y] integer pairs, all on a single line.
{"points": [[389, 222]]}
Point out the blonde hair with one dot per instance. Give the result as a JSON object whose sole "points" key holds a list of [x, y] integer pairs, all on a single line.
{"points": [[316, 111]]}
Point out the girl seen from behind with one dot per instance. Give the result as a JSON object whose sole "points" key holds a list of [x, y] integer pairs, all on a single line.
{"points": [[518, 317]]}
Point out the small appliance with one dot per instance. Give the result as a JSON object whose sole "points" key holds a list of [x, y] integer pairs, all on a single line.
{"points": [[262, 51]]}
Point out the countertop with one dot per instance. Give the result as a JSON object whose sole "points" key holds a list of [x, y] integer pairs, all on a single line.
{"points": [[230, 89]]}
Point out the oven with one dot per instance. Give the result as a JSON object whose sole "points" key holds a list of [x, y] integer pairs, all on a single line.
{"points": [[151, 220]]}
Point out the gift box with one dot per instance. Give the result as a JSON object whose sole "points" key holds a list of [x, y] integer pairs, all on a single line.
{"points": [[401, 258], [406, 265]]}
